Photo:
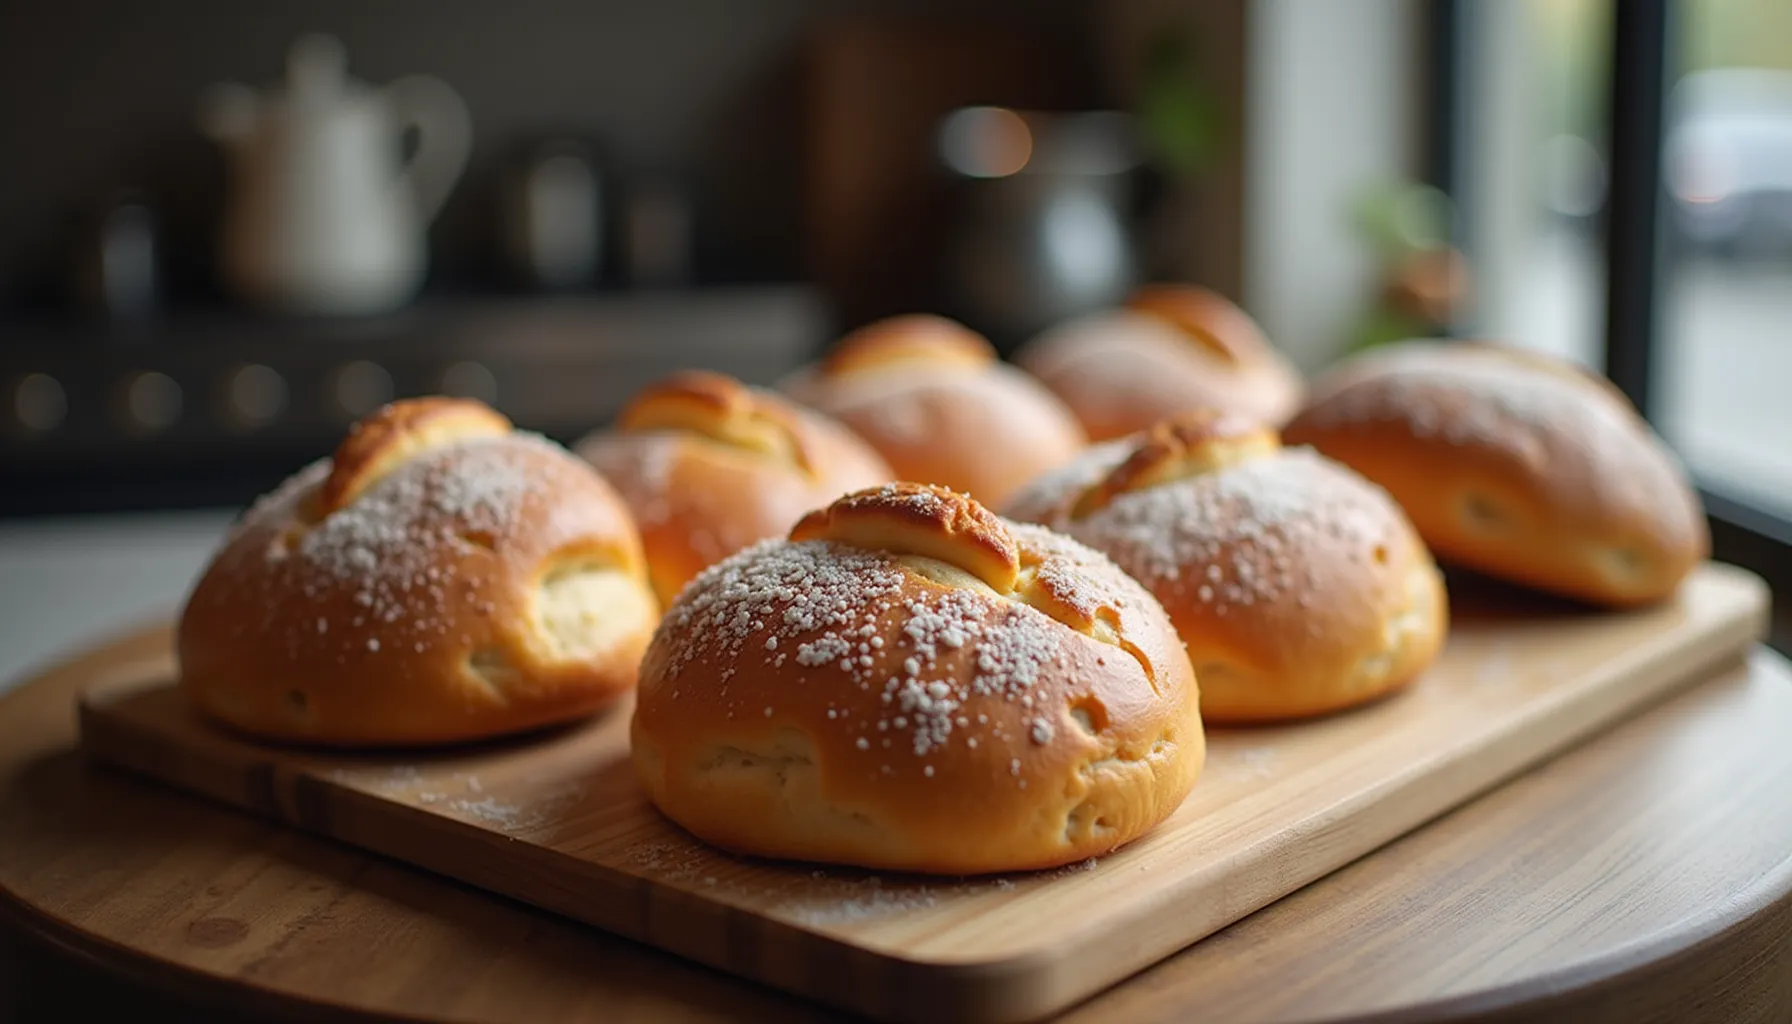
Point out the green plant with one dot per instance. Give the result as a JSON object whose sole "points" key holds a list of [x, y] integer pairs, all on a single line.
{"points": [[1402, 219], [1178, 117]]}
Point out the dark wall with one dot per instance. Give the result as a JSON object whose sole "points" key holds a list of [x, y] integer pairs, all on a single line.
{"points": [[96, 95]]}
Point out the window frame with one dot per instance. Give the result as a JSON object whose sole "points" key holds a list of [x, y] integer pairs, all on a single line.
{"points": [[1643, 65]]}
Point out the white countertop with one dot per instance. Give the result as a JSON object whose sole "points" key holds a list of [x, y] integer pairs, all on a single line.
{"points": [[68, 581]]}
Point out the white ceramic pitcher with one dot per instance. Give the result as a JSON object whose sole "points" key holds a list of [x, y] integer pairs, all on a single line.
{"points": [[324, 215]]}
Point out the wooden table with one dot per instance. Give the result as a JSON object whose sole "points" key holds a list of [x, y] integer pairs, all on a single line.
{"points": [[1646, 876]]}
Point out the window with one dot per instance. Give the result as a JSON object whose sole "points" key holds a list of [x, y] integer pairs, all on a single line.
{"points": [[1623, 176], [1532, 175], [1725, 350]]}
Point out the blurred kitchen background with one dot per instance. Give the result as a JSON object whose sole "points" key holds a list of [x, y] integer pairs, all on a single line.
{"points": [[227, 230], [206, 270]]}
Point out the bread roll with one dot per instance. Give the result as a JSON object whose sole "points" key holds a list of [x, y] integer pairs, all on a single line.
{"points": [[440, 578], [931, 397], [709, 465], [1170, 349], [911, 683], [1299, 587], [1517, 465]]}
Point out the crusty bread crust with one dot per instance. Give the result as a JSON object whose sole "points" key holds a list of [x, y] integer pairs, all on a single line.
{"points": [[917, 685], [1299, 587], [1169, 349], [931, 397], [483, 583], [709, 466], [1517, 465]]}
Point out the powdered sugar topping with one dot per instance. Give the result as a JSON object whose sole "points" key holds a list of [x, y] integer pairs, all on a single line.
{"points": [[916, 664], [284, 500], [1241, 535], [1044, 497], [1565, 428], [1465, 396], [1082, 577], [640, 467], [815, 598], [385, 548], [385, 542]]}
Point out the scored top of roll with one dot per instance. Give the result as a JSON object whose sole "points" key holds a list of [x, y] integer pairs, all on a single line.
{"points": [[911, 682]]}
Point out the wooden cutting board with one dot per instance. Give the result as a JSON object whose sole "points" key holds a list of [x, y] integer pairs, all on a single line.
{"points": [[558, 821]]}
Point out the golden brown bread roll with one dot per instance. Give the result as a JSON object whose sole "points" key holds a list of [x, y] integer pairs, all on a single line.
{"points": [[911, 683], [440, 578], [1169, 349], [709, 465], [1517, 465], [1298, 586], [931, 397]]}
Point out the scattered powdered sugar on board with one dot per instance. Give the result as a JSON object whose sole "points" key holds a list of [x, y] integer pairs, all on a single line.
{"points": [[1244, 534], [1250, 763], [385, 781], [461, 795], [871, 900], [506, 815], [673, 862], [846, 896], [1496, 666], [821, 895]]}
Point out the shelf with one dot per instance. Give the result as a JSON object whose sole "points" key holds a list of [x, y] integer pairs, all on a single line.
{"points": [[690, 313], [222, 387]]}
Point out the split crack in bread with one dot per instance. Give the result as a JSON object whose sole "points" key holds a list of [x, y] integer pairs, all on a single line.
{"points": [[1299, 587], [709, 465], [440, 578], [1517, 465], [909, 682], [930, 395], [1168, 349]]}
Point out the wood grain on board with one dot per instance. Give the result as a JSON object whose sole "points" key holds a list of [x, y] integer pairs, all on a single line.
{"points": [[1644, 877], [557, 820]]}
